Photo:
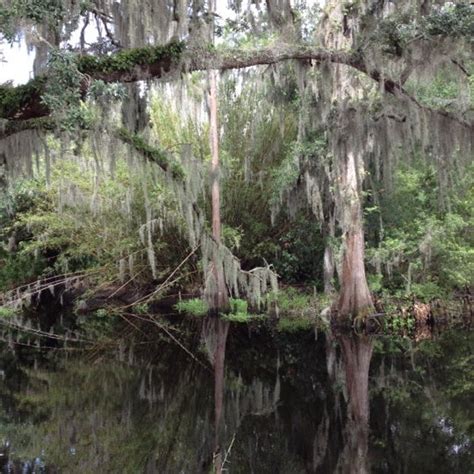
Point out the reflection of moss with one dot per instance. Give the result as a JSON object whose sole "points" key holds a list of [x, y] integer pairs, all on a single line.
{"points": [[243, 317], [287, 324], [126, 60]]}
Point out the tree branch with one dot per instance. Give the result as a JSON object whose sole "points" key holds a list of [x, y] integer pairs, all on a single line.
{"points": [[163, 159], [156, 62]]}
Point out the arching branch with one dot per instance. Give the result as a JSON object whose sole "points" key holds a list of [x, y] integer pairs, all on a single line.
{"points": [[156, 62]]}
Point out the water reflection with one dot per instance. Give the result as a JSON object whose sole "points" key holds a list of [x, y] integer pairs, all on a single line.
{"points": [[238, 399], [356, 354], [356, 357], [215, 332]]}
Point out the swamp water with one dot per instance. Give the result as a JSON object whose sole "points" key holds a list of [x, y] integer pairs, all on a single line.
{"points": [[182, 396]]}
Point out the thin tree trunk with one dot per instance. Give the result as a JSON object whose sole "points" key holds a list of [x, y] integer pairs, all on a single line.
{"points": [[220, 298], [214, 141]]}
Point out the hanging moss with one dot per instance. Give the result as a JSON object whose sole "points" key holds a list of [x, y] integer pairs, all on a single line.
{"points": [[151, 153], [126, 60]]}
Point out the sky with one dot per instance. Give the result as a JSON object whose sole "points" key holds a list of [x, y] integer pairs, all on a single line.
{"points": [[17, 63]]}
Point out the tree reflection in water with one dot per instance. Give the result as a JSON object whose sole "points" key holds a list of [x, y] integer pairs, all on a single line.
{"points": [[356, 356], [244, 400], [356, 353], [215, 332]]}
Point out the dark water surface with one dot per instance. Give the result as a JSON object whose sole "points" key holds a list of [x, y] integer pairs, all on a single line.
{"points": [[185, 397]]}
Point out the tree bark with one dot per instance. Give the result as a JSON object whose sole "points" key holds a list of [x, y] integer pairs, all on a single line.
{"points": [[219, 298], [329, 265], [355, 300]]}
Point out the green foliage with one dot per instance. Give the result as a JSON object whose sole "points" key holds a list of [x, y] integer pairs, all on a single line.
{"points": [[13, 99], [395, 32], [291, 299], [238, 311], [15, 269], [104, 92], [298, 310], [444, 91], [64, 95], [97, 325], [452, 20], [427, 249], [299, 251], [6, 313], [293, 325], [175, 129], [19, 267], [375, 282], [36, 11], [194, 307], [92, 228], [399, 323], [260, 157], [238, 306]]}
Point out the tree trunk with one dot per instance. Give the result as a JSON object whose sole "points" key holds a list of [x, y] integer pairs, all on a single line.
{"points": [[329, 265], [355, 300], [219, 299]]}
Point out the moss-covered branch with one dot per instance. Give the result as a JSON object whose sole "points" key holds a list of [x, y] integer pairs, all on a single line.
{"points": [[137, 142], [162, 159], [24, 102], [125, 63], [154, 62], [10, 127]]}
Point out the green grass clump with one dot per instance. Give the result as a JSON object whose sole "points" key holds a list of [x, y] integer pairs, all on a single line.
{"points": [[286, 324], [194, 307], [290, 299], [298, 310], [6, 313], [238, 309]]}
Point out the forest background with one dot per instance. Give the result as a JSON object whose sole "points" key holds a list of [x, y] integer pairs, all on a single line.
{"points": [[345, 146]]}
